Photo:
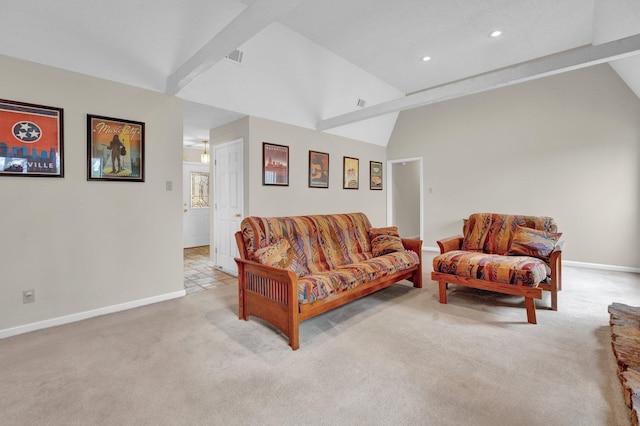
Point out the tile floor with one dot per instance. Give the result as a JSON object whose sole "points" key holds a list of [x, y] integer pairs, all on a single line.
{"points": [[199, 275]]}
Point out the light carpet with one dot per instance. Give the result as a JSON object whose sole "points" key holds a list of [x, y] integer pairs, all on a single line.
{"points": [[396, 357]]}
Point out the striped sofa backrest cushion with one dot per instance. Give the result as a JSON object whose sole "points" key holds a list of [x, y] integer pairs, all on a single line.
{"points": [[322, 242], [493, 232]]}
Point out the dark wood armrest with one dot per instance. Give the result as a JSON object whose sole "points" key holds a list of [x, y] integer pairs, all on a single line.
{"points": [[413, 245], [278, 287], [257, 268], [451, 243]]}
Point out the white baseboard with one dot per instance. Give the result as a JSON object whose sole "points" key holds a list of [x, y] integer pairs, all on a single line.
{"points": [[8, 332], [600, 266], [574, 264]]}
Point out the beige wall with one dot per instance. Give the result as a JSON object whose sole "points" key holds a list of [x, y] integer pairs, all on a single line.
{"points": [[235, 130], [298, 198], [192, 155], [566, 146], [86, 245]]}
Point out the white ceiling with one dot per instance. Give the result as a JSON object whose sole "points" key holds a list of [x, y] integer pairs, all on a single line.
{"points": [[303, 60]]}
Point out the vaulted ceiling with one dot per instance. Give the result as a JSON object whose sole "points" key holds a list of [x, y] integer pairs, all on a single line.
{"points": [[310, 63]]}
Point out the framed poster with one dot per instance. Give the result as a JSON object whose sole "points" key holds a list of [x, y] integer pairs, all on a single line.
{"points": [[318, 169], [115, 149], [31, 140], [375, 175], [350, 173], [275, 164]]}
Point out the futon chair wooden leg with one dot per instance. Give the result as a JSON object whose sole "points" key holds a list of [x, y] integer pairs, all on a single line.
{"points": [[531, 309], [294, 339], [416, 278], [443, 292], [554, 300], [242, 313]]}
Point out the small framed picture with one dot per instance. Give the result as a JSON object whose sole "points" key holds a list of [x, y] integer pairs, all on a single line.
{"points": [[275, 164], [115, 149], [318, 169], [375, 175], [350, 173], [31, 140]]}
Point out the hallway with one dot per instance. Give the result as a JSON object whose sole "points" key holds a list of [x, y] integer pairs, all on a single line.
{"points": [[199, 275]]}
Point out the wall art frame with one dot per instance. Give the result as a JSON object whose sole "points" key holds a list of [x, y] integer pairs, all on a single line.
{"points": [[350, 173], [115, 149], [31, 140], [375, 175], [318, 169], [275, 164]]}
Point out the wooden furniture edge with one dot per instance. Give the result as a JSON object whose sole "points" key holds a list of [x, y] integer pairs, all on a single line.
{"points": [[277, 292], [415, 245], [450, 243], [309, 310], [555, 284], [529, 293]]}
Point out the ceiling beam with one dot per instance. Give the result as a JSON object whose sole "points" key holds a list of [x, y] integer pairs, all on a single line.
{"points": [[569, 60], [250, 22]]}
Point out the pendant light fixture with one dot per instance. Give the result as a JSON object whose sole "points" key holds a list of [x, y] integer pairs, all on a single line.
{"points": [[204, 157]]}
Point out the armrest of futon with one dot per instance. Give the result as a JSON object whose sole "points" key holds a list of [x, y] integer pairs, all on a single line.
{"points": [[270, 272], [555, 264], [556, 254], [451, 243], [278, 287], [413, 245]]}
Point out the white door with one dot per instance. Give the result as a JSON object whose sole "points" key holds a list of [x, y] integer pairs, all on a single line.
{"points": [[196, 194], [228, 204]]}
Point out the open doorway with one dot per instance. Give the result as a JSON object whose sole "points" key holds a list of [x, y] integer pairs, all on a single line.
{"points": [[195, 205], [405, 205]]}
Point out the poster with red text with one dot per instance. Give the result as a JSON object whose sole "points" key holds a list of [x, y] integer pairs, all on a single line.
{"points": [[115, 148], [31, 141]]}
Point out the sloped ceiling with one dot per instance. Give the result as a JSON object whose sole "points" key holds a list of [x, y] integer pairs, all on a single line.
{"points": [[304, 61], [614, 20]]}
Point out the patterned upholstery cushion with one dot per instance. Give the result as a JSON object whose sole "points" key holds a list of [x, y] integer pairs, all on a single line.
{"points": [[322, 242], [323, 284], [389, 230], [383, 244], [517, 270], [531, 242], [493, 233], [280, 254]]}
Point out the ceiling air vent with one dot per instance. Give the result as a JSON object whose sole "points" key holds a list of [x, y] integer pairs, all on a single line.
{"points": [[235, 56]]}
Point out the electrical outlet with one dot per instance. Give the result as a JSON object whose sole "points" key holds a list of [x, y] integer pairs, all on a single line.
{"points": [[28, 296]]}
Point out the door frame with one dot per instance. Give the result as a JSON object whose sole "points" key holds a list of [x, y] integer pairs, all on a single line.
{"points": [[213, 252], [196, 163], [390, 164]]}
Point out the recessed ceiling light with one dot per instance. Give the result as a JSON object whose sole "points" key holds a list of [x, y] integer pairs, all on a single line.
{"points": [[495, 33], [426, 58]]}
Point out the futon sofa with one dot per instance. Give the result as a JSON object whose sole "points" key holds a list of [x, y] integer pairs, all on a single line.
{"points": [[293, 268], [511, 254]]}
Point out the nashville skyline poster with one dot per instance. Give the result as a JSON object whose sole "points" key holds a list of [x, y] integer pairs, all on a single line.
{"points": [[31, 140]]}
